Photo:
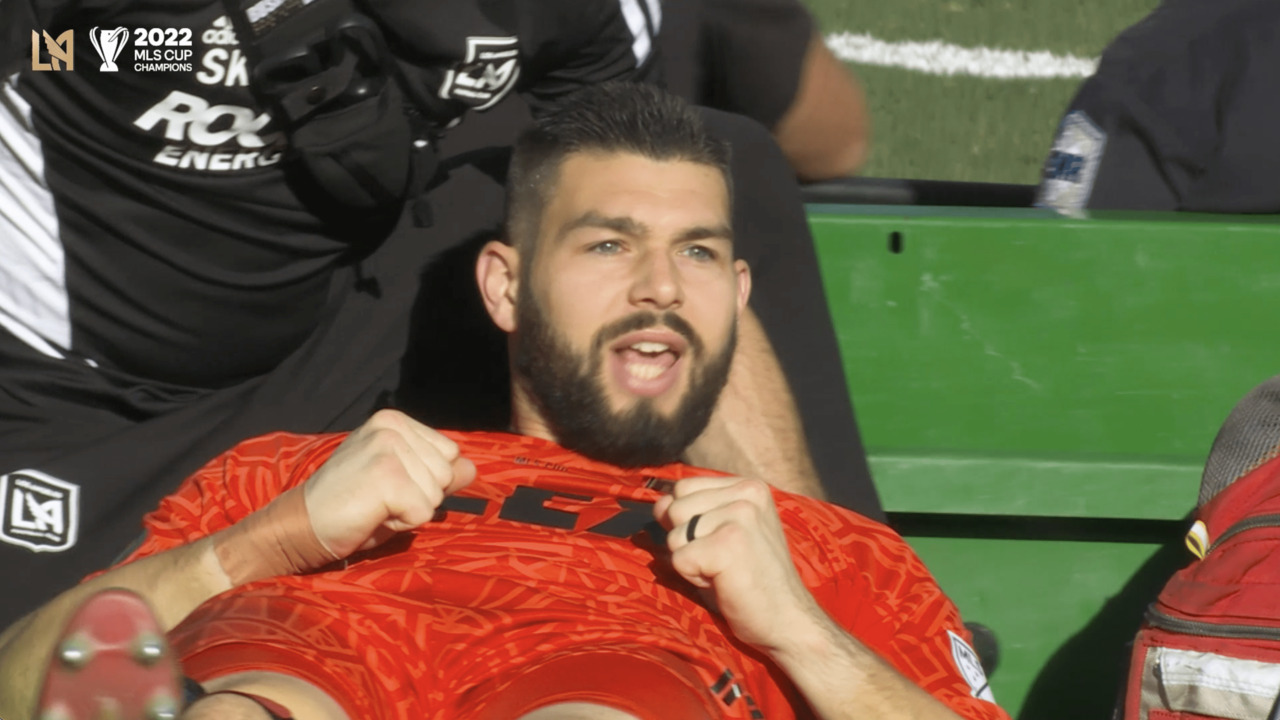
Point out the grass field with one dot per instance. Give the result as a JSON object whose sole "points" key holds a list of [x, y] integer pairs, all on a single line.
{"points": [[964, 127]]}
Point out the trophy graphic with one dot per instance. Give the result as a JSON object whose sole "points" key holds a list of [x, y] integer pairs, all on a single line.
{"points": [[109, 44]]}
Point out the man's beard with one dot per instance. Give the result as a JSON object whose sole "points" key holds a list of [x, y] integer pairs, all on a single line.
{"points": [[570, 393]]}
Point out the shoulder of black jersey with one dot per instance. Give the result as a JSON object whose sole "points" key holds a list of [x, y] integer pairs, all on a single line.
{"points": [[1216, 31], [753, 55]]}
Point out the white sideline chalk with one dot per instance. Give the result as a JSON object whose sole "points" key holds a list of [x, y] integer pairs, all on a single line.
{"points": [[938, 58]]}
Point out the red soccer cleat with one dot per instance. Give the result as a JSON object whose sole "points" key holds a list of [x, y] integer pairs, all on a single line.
{"points": [[111, 662]]}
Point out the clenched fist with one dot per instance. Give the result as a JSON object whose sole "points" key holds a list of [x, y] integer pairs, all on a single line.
{"points": [[388, 476], [727, 540]]}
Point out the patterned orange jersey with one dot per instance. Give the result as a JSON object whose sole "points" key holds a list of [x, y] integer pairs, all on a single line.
{"points": [[546, 556]]}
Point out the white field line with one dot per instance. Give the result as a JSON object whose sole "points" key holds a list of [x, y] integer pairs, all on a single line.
{"points": [[938, 58]]}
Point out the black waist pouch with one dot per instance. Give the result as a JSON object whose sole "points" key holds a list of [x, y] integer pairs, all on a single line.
{"points": [[325, 72]]}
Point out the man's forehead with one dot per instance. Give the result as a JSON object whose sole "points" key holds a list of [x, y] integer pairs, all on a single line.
{"points": [[616, 179], [592, 162]]}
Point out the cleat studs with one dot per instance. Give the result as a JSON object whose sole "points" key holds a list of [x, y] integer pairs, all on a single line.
{"points": [[148, 649], [74, 652], [163, 707]]}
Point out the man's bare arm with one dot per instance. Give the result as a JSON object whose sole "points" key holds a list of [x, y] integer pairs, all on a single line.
{"points": [[755, 430], [174, 582], [739, 555], [826, 132], [843, 679]]}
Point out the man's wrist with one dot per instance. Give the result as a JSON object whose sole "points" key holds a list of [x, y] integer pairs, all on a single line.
{"points": [[808, 633], [274, 541]]}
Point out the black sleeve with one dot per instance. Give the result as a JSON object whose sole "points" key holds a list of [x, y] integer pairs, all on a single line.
{"points": [[1141, 130], [753, 54], [1112, 152], [570, 44]]}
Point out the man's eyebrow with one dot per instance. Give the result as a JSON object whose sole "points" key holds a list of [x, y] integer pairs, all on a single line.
{"points": [[705, 232], [623, 225], [634, 228]]}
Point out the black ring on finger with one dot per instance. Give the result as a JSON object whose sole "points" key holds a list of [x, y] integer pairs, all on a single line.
{"points": [[692, 528]]}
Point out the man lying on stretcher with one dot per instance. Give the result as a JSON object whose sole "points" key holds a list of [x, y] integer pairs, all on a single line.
{"points": [[574, 569]]}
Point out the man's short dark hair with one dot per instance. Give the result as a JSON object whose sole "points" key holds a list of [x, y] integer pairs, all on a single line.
{"points": [[614, 117]]}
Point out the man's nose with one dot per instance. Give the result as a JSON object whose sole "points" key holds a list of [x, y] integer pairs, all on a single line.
{"points": [[656, 281]]}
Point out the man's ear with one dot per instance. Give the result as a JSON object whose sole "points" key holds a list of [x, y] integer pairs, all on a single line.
{"points": [[498, 275], [743, 272]]}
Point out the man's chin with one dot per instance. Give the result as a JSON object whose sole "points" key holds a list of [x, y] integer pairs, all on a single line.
{"points": [[640, 433], [629, 445], [662, 408]]}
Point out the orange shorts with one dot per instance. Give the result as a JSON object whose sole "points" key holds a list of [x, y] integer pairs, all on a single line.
{"points": [[363, 666]]}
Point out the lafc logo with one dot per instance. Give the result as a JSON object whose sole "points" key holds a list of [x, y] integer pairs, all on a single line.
{"points": [[487, 75], [62, 50], [38, 512]]}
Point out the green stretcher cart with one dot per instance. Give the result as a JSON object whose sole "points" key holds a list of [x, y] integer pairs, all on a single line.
{"points": [[1037, 395]]}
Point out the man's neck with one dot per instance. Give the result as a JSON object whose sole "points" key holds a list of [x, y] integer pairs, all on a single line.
{"points": [[525, 418]]}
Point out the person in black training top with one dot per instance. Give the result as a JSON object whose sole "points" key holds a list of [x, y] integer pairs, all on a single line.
{"points": [[766, 59], [1181, 115], [172, 280]]}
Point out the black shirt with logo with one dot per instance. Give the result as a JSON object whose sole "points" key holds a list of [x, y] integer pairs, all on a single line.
{"points": [[189, 256]]}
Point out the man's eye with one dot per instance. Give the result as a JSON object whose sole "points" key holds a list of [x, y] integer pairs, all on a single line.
{"points": [[700, 252], [607, 247]]}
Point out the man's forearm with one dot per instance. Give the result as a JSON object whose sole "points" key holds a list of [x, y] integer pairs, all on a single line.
{"points": [[174, 582], [826, 133], [755, 430], [842, 678]]}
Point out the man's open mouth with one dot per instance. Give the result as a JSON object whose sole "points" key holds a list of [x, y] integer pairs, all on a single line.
{"points": [[647, 362]]}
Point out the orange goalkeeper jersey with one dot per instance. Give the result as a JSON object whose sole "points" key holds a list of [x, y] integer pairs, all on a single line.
{"points": [[545, 552]]}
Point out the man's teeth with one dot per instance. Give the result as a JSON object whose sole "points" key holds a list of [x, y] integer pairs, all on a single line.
{"points": [[649, 346], [644, 371], [647, 359]]}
